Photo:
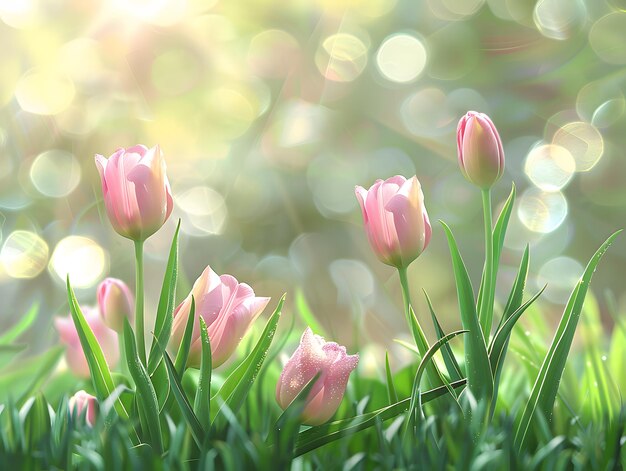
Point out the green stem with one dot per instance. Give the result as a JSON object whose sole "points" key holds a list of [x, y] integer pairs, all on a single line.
{"points": [[139, 324], [487, 299]]}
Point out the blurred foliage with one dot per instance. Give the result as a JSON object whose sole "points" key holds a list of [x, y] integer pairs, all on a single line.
{"points": [[270, 112]]}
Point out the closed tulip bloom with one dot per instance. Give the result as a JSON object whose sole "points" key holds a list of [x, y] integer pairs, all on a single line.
{"points": [[84, 403], [116, 303], [136, 191], [481, 156], [395, 219], [315, 355], [228, 309], [74, 355]]}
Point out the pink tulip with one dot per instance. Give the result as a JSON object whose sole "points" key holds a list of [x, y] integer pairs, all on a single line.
{"points": [[228, 309], [82, 401], [312, 356], [136, 191], [395, 218], [116, 303], [74, 355], [481, 156]]}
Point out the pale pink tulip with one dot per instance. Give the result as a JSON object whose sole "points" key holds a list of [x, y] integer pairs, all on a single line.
{"points": [[116, 303], [228, 309], [84, 403], [481, 156], [395, 219], [74, 355], [136, 191], [312, 356]]}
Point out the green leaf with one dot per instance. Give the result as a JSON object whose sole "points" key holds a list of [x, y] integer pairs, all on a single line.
{"points": [[391, 389], [307, 316], [319, 435], [517, 291], [544, 391], [146, 395], [18, 329], [479, 376], [100, 374], [13, 348], [416, 396], [454, 370], [233, 392], [291, 414], [165, 310], [202, 402], [197, 431], [185, 344]]}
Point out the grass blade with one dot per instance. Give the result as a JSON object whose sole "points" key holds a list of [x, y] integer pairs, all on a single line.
{"points": [[202, 402], [164, 317], [517, 291], [545, 389], [454, 370], [391, 389], [18, 329], [479, 376]]}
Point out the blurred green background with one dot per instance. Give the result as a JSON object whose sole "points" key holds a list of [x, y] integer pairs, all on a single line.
{"points": [[270, 112]]}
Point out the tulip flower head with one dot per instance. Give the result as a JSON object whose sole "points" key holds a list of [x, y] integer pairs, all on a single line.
{"points": [[74, 355], [84, 403], [481, 156], [315, 355], [136, 191], [395, 219], [228, 308], [116, 303]]}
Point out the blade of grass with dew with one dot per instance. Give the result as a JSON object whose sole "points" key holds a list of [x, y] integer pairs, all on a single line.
{"points": [[478, 369], [185, 344], [416, 400], [320, 435], [22, 326], [165, 310], [100, 373], [454, 370], [544, 391], [147, 399], [391, 389], [202, 401], [236, 387]]}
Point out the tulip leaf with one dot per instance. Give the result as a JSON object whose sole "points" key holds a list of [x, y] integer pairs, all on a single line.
{"points": [[100, 374], [391, 389], [292, 413], [46, 362], [479, 376], [197, 431], [185, 344], [146, 395], [233, 392], [307, 316], [320, 435], [544, 391], [165, 310], [517, 291], [454, 370], [416, 396], [202, 402], [24, 323]]}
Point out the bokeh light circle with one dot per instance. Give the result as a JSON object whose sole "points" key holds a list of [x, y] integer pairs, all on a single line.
{"points": [[205, 210], [561, 274], [44, 91], [24, 254], [583, 141], [82, 258], [550, 167], [542, 211], [401, 58], [559, 19], [341, 57], [55, 173], [607, 37]]}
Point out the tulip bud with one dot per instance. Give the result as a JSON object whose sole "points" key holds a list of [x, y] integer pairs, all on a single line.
{"points": [[395, 219], [312, 356], [228, 309], [116, 303], [84, 403], [74, 355], [481, 156], [136, 191]]}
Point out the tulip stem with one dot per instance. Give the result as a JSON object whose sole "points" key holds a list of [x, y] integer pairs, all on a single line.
{"points": [[139, 325], [416, 329], [485, 310]]}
